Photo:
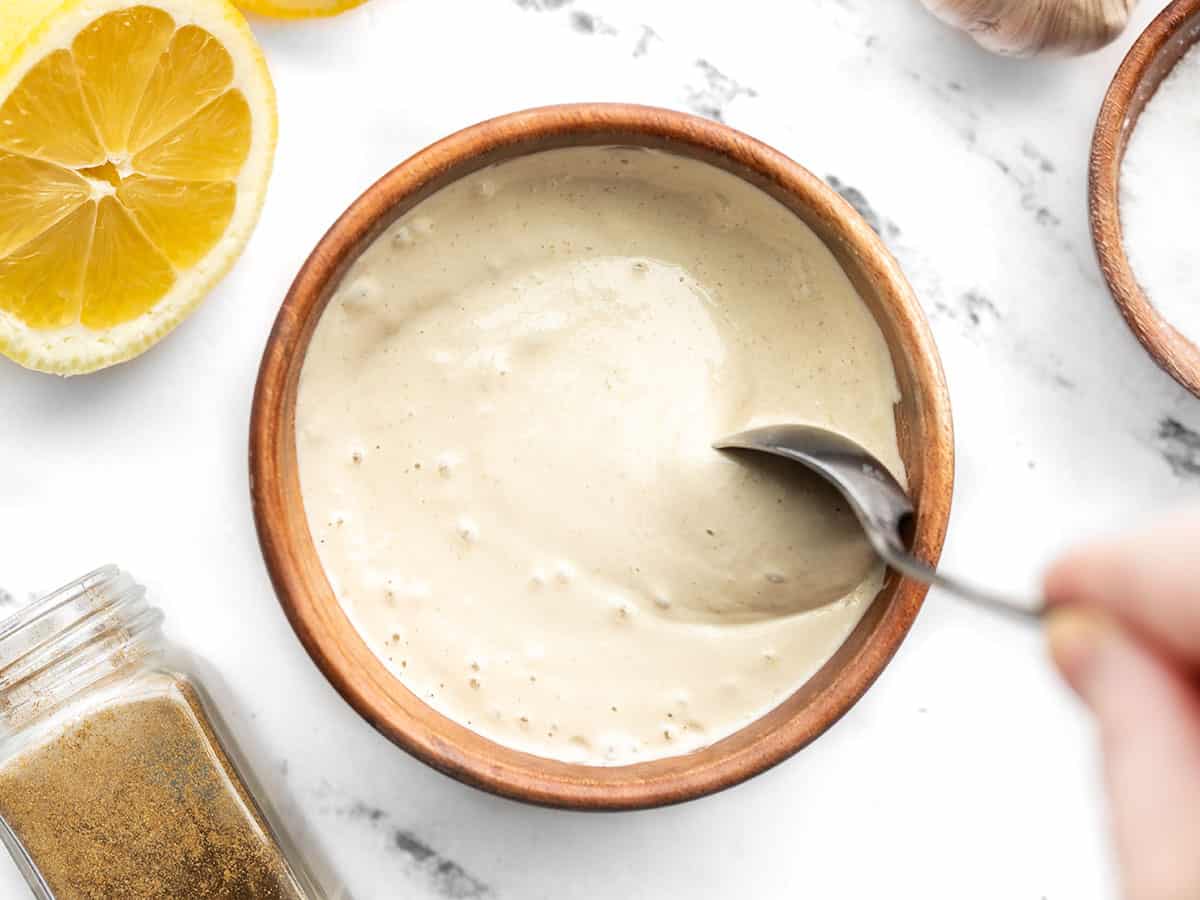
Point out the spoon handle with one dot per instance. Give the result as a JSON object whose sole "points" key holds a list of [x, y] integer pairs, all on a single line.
{"points": [[1002, 603]]}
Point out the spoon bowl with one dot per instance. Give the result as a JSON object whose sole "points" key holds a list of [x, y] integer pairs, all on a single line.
{"points": [[796, 546], [877, 499]]}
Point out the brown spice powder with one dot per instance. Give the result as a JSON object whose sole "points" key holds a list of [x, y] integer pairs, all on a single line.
{"points": [[139, 801]]}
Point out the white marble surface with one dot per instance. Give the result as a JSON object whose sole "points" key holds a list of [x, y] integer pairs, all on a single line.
{"points": [[966, 771]]}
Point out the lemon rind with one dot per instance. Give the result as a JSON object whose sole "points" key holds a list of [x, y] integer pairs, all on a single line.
{"points": [[274, 11]]}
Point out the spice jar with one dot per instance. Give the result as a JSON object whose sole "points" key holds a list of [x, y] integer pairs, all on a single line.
{"points": [[116, 777]]}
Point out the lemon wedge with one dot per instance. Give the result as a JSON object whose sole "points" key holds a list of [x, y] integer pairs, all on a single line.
{"points": [[136, 142], [298, 9]]}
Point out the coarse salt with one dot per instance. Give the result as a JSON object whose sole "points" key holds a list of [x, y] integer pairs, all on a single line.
{"points": [[1160, 197]]}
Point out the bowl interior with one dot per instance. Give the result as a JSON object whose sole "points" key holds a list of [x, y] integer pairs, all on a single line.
{"points": [[1149, 61], [924, 430]]}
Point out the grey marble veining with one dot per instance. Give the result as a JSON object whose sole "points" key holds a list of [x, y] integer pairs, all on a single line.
{"points": [[443, 877], [1180, 447]]}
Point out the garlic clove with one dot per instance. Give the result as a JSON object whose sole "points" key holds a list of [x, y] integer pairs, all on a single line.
{"points": [[1028, 27]]}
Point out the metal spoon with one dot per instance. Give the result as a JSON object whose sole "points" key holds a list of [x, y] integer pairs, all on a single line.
{"points": [[882, 507]]}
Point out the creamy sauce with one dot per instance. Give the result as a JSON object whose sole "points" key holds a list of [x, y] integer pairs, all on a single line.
{"points": [[504, 426]]}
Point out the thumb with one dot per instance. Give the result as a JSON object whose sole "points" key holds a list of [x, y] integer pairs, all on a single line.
{"points": [[1148, 713]]}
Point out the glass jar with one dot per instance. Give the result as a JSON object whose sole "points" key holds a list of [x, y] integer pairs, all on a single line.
{"points": [[117, 778]]}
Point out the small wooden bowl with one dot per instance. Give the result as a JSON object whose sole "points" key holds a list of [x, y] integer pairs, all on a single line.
{"points": [[1150, 59], [923, 418]]}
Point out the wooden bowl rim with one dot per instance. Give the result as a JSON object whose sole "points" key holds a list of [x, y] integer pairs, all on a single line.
{"points": [[1173, 352], [309, 602]]}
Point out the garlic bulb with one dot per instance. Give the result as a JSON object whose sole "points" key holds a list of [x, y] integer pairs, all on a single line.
{"points": [[1026, 27]]}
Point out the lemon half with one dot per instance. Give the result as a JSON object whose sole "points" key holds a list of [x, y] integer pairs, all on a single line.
{"points": [[136, 142]]}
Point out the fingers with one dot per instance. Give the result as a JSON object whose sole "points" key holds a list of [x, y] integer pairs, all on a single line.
{"points": [[1150, 580], [1149, 718]]}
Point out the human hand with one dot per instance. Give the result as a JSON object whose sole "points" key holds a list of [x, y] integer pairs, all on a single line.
{"points": [[1124, 630]]}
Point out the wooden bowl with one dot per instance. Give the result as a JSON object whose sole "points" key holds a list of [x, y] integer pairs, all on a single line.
{"points": [[923, 418], [1150, 59]]}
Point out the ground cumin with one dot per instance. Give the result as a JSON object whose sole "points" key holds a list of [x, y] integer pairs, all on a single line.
{"points": [[138, 800]]}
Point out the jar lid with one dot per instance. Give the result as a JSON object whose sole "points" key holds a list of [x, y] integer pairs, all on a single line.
{"points": [[72, 638]]}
